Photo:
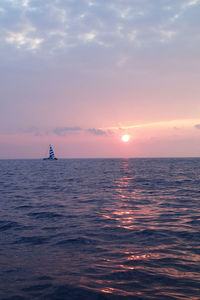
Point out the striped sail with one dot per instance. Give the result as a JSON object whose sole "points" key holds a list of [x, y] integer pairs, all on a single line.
{"points": [[51, 153]]}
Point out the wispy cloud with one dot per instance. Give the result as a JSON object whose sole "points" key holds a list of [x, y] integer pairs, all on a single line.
{"points": [[181, 9], [62, 131], [167, 35], [191, 3], [111, 22], [33, 130], [197, 126], [96, 131], [171, 124], [24, 38]]}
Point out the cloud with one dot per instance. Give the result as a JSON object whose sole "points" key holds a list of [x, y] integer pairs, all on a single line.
{"points": [[100, 23], [25, 38], [180, 10], [168, 124], [2, 11], [167, 35], [34, 130], [62, 131], [191, 3], [97, 131], [89, 36]]}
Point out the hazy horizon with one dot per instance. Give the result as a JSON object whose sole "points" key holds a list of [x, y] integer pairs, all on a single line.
{"points": [[125, 158]]}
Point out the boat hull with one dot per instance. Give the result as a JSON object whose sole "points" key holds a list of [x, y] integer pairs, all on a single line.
{"points": [[50, 158]]}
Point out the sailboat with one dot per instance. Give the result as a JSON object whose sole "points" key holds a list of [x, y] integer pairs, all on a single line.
{"points": [[51, 154]]}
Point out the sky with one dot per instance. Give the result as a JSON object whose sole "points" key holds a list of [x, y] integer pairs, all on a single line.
{"points": [[79, 74]]}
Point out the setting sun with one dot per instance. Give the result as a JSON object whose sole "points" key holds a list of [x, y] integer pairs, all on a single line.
{"points": [[125, 138]]}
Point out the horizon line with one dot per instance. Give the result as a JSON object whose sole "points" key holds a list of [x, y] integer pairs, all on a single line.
{"points": [[136, 157]]}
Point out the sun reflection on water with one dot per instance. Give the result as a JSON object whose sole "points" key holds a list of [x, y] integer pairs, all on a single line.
{"points": [[123, 218]]}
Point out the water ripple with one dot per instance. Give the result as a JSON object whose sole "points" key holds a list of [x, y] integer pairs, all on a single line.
{"points": [[100, 229]]}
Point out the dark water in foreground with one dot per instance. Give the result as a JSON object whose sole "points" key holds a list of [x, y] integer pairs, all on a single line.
{"points": [[100, 229]]}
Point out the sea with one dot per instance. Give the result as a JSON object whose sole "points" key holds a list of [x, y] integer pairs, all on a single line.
{"points": [[98, 229]]}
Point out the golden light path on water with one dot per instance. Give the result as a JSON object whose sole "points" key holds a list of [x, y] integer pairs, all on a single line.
{"points": [[125, 218]]}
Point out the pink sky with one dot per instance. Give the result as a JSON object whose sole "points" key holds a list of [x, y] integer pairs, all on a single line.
{"points": [[81, 76]]}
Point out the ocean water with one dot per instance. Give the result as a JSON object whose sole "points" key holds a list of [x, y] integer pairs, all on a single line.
{"points": [[100, 229]]}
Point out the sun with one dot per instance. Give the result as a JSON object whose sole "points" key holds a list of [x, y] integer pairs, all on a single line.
{"points": [[125, 138]]}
